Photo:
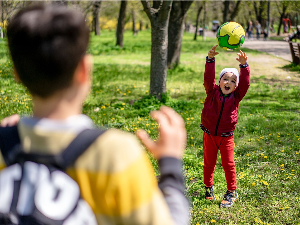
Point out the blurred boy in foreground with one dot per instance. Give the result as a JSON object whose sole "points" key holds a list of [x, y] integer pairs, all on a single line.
{"points": [[48, 46]]}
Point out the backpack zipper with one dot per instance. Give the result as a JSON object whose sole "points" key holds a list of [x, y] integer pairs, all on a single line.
{"points": [[220, 115]]}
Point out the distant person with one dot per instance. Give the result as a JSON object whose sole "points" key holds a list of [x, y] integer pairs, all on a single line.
{"points": [[286, 24], [295, 35], [215, 27], [200, 31], [48, 45], [250, 30], [265, 33], [258, 29], [218, 121]]}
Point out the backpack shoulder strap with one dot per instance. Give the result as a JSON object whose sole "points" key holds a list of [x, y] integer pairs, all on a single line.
{"points": [[9, 137], [63, 160], [78, 147]]}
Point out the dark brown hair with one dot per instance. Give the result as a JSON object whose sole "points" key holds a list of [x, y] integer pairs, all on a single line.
{"points": [[46, 43]]}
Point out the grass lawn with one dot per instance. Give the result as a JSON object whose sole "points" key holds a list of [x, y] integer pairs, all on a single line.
{"points": [[267, 136]]}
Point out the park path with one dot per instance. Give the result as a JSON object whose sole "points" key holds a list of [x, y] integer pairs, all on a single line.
{"points": [[277, 48]]}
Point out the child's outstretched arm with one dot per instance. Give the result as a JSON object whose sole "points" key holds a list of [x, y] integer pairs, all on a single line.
{"points": [[212, 52], [168, 149], [172, 135], [209, 73], [244, 78]]}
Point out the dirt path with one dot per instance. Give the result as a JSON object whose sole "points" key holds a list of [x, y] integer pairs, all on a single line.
{"points": [[271, 66], [279, 49]]}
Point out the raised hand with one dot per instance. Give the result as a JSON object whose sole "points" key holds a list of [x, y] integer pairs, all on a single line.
{"points": [[10, 121], [172, 134], [212, 53], [242, 57]]}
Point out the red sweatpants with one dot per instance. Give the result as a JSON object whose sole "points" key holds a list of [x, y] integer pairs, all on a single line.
{"points": [[211, 145]]}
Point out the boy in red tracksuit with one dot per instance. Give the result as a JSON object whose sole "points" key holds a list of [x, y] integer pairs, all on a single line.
{"points": [[218, 121]]}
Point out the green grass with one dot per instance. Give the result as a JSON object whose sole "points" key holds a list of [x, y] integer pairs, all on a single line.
{"points": [[267, 136], [293, 67], [276, 38]]}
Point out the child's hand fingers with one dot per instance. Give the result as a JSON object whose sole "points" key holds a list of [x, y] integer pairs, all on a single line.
{"points": [[145, 139], [212, 53], [243, 54], [174, 118], [160, 118], [214, 47]]}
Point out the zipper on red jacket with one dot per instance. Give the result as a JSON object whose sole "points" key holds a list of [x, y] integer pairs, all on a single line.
{"points": [[220, 115]]}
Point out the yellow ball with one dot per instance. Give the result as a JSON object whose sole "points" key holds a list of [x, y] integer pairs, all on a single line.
{"points": [[230, 35]]}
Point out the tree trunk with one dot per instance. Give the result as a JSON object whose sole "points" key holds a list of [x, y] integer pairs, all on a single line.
{"points": [[141, 25], [226, 10], [268, 25], [280, 23], [175, 31], [282, 15], [134, 30], [159, 17], [235, 10], [121, 23], [2, 20], [259, 9], [96, 12], [2, 13], [158, 74], [204, 21], [197, 22]]}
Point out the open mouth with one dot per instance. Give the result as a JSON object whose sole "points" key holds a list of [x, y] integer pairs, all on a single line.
{"points": [[227, 88]]}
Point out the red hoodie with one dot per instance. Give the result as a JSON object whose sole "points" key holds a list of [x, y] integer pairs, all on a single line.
{"points": [[220, 113]]}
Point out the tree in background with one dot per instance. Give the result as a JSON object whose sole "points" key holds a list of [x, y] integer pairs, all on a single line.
{"points": [[175, 31], [96, 14], [282, 8], [136, 14], [8, 8], [121, 23], [159, 17], [200, 7], [134, 30], [235, 11], [226, 11], [230, 15], [260, 9]]}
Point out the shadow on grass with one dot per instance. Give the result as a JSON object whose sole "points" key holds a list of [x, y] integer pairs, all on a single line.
{"points": [[292, 67]]}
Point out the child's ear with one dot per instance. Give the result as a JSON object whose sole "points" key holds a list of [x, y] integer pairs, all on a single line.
{"points": [[84, 69]]}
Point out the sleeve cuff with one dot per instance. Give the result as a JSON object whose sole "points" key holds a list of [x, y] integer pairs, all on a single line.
{"points": [[171, 173], [244, 66], [210, 60]]}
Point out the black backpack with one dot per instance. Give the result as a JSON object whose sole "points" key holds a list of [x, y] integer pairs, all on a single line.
{"points": [[34, 189]]}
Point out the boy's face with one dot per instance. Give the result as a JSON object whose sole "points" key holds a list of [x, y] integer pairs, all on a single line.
{"points": [[228, 83]]}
